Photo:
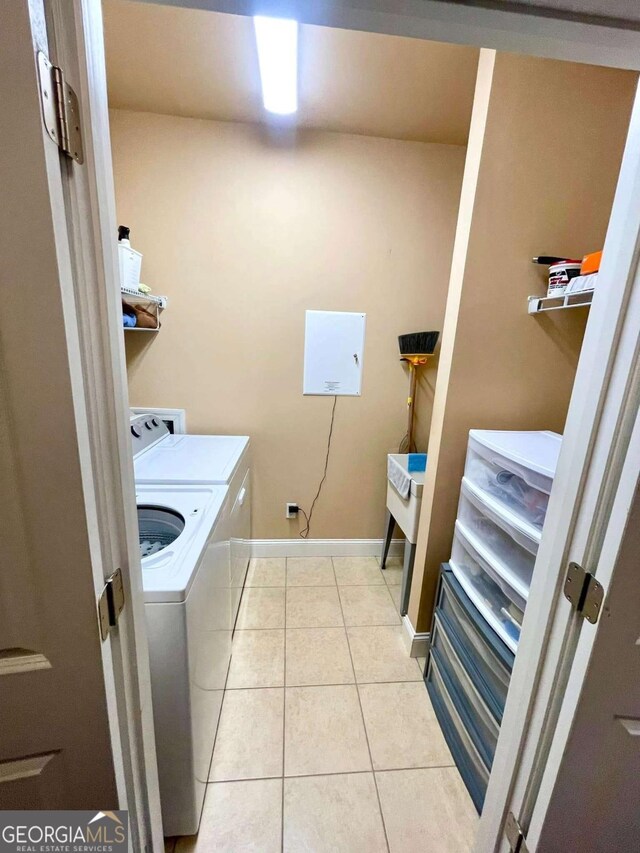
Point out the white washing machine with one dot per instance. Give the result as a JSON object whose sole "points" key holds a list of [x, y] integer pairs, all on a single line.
{"points": [[184, 549], [194, 547], [160, 457]]}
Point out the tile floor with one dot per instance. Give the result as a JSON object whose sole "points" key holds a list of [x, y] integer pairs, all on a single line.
{"points": [[327, 740]]}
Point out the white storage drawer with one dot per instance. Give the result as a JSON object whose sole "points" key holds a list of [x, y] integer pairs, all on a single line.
{"points": [[497, 571], [516, 468], [478, 579], [509, 548]]}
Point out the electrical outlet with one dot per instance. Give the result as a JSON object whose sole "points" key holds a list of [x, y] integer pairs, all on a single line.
{"points": [[291, 510]]}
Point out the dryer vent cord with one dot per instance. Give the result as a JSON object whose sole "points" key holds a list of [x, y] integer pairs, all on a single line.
{"points": [[304, 533]]}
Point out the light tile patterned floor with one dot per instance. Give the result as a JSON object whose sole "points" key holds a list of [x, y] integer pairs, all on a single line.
{"points": [[327, 740]]}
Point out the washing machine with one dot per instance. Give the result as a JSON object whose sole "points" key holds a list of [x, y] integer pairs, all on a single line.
{"points": [[194, 517], [184, 549], [162, 457]]}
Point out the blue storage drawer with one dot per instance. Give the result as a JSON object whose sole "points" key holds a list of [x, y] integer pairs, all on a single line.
{"points": [[483, 728], [473, 770], [487, 659]]}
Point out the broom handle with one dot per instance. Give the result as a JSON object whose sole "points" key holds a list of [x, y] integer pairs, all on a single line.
{"points": [[410, 403]]}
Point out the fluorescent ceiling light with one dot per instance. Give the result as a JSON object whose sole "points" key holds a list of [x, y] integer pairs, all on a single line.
{"points": [[277, 41]]}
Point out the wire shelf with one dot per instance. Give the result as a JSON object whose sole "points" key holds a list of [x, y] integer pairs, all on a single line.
{"points": [[145, 299], [154, 304], [541, 304]]}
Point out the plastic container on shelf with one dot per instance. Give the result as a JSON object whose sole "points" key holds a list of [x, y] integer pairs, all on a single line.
{"points": [[130, 263], [485, 589], [510, 546], [515, 468]]}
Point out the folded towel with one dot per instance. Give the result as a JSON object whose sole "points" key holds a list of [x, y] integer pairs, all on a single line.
{"points": [[398, 477]]}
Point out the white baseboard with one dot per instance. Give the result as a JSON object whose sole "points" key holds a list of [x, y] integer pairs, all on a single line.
{"points": [[417, 643], [323, 547]]}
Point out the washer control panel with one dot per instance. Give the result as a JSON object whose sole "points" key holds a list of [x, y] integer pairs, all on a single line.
{"points": [[146, 430]]}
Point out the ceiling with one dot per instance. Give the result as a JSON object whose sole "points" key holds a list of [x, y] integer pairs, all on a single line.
{"points": [[620, 10], [202, 64]]}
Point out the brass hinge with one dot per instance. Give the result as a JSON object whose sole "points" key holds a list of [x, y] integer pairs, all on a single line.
{"points": [[60, 109], [110, 603], [515, 835], [584, 592]]}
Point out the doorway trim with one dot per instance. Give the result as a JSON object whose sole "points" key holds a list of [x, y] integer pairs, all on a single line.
{"points": [[76, 44], [103, 357]]}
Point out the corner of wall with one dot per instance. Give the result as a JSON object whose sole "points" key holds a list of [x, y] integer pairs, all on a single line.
{"points": [[423, 585]]}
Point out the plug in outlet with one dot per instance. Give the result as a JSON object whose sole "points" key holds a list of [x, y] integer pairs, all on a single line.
{"points": [[291, 510]]}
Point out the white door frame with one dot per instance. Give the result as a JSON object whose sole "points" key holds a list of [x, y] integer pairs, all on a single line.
{"points": [[594, 449], [74, 32]]}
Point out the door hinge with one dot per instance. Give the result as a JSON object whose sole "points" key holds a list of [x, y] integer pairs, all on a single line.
{"points": [[110, 603], [584, 592], [60, 109], [515, 835]]}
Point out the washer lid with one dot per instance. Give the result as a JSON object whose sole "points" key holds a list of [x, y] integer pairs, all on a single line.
{"points": [[191, 459], [168, 574]]}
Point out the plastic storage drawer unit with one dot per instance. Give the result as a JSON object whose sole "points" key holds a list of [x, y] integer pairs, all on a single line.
{"points": [[490, 662], [473, 770], [516, 468], [478, 579], [484, 727], [510, 547]]}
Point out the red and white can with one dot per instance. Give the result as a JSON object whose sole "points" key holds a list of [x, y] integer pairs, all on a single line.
{"points": [[560, 275]]}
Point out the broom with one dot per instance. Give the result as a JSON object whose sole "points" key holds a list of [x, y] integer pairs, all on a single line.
{"points": [[416, 349]]}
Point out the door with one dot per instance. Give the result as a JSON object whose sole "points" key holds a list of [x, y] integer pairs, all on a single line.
{"points": [[596, 780], [55, 741], [58, 327], [76, 719]]}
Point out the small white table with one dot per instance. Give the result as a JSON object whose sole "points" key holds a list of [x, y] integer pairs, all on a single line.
{"points": [[405, 512]]}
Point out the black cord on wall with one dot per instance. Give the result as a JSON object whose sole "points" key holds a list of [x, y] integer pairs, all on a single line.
{"points": [[304, 533]]}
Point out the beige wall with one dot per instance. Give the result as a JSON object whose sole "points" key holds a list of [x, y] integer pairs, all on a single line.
{"points": [[548, 163], [243, 234]]}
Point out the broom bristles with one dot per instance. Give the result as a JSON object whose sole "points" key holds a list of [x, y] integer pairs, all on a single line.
{"points": [[418, 343]]}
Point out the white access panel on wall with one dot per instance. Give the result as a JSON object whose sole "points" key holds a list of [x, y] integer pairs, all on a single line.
{"points": [[333, 353]]}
